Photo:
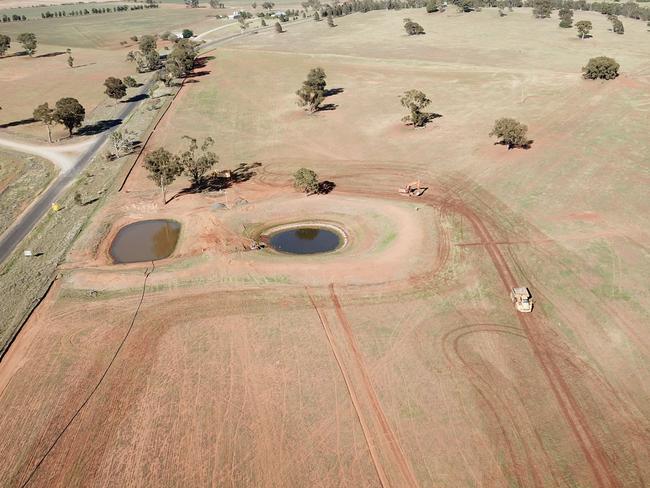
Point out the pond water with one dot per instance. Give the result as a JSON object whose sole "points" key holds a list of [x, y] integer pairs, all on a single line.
{"points": [[147, 240], [305, 240]]}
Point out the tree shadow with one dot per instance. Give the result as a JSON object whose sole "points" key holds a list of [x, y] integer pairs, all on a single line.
{"points": [[136, 98], [50, 55], [327, 107], [196, 74], [30, 120], [90, 202], [222, 180], [526, 145], [83, 65], [325, 187], [98, 127], [333, 91], [202, 61], [429, 117]]}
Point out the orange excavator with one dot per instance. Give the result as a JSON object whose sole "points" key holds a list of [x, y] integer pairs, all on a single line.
{"points": [[413, 189]]}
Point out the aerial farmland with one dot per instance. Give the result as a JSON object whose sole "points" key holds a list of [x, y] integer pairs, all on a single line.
{"points": [[361, 244]]}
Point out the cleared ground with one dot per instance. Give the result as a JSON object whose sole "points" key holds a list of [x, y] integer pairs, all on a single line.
{"points": [[397, 361]]}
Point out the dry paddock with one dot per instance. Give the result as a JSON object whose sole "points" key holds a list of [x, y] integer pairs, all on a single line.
{"points": [[398, 361]]}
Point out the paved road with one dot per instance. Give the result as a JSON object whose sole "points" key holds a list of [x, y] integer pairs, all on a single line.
{"points": [[13, 236]]}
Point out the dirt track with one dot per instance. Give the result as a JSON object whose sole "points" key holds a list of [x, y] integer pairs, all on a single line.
{"points": [[388, 446], [365, 368]]}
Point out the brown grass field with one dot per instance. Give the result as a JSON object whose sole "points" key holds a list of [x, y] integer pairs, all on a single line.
{"points": [[397, 360], [21, 178], [95, 41]]}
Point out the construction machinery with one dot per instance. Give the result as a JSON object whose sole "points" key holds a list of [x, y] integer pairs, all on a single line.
{"points": [[522, 299], [413, 189]]}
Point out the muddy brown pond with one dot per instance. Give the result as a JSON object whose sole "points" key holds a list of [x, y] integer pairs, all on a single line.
{"points": [[147, 240], [305, 240]]}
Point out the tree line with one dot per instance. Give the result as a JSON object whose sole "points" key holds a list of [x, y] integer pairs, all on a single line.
{"points": [[94, 11], [13, 17]]}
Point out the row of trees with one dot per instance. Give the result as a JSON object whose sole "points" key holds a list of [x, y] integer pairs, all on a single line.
{"points": [[95, 11], [67, 111], [27, 40], [177, 64], [312, 93], [13, 17], [543, 8]]}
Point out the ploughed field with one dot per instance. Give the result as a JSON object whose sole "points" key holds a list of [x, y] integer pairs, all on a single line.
{"points": [[398, 359]]}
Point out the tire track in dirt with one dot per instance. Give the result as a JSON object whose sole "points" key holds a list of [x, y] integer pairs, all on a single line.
{"points": [[454, 336], [446, 197], [381, 474], [393, 469], [590, 446], [396, 449]]}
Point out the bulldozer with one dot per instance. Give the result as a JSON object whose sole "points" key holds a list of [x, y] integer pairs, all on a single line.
{"points": [[413, 189], [522, 299]]}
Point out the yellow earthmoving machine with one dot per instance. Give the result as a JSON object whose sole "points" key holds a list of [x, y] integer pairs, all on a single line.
{"points": [[522, 299], [413, 189]]}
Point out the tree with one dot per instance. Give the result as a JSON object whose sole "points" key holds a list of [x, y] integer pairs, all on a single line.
{"points": [[465, 5], [180, 61], [192, 3], [115, 88], [262, 22], [147, 43], [70, 58], [312, 92], [163, 168], [316, 17], [542, 9], [415, 101], [566, 17], [147, 58], [29, 42], [330, 21], [196, 166], [254, 5], [601, 67], [187, 33], [413, 28], [130, 81], [501, 5], [122, 142], [278, 28], [510, 132], [617, 25], [69, 112], [243, 25], [268, 5], [305, 180], [43, 113], [584, 27], [5, 44], [432, 6]]}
